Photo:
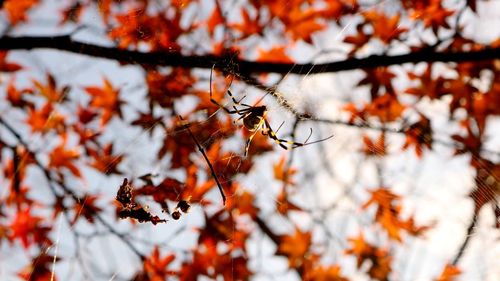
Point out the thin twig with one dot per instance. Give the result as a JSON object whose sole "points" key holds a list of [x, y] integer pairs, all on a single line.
{"points": [[200, 148]]}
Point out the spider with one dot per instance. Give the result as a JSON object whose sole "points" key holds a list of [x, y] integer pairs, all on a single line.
{"points": [[254, 120]]}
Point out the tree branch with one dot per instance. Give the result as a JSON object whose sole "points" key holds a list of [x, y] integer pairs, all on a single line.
{"points": [[470, 231], [175, 58]]}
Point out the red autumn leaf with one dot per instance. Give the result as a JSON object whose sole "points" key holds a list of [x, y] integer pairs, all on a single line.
{"points": [[384, 28], [45, 119], [105, 9], [131, 27], [106, 99], [301, 22], [6, 66], [103, 159], [358, 40], [388, 214], [276, 55], [429, 86], [355, 113], [380, 260], [16, 96], [284, 173], [165, 89], [243, 203], [378, 148], [325, 273], [86, 135], [17, 9], [249, 26], [85, 115], [215, 19], [61, 157], [148, 122], [387, 108], [18, 166], [335, 9], [305, 29], [450, 273], [86, 207], [221, 228], [432, 14], [207, 257], [40, 268], [155, 267], [419, 135], [380, 78], [50, 91], [283, 205], [72, 13], [295, 247], [28, 229], [471, 143]]}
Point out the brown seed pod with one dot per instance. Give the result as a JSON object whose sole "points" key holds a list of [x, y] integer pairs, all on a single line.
{"points": [[184, 206], [176, 215]]}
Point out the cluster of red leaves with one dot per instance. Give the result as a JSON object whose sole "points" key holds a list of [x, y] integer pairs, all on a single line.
{"points": [[388, 214], [379, 259], [17, 9], [136, 26]]}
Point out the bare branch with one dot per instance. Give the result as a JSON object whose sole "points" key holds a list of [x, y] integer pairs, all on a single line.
{"points": [[175, 58]]}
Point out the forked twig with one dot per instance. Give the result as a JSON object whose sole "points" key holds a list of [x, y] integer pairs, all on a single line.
{"points": [[200, 148]]}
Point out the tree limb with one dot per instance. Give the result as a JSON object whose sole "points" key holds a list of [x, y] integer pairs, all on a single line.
{"points": [[470, 231], [175, 58]]}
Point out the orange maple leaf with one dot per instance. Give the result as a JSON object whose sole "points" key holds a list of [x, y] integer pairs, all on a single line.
{"points": [[105, 99], [45, 119], [387, 108], [215, 19], [103, 159], [243, 204], [276, 54], [249, 26], [325, 273], [17, 9], [86, 207], [433, 14], [72, 13], [50, 91], [27, 228], [16, 96], [155, 267], [380, 266], [40, 268], [301, 22], [283, 173], [7, 66], [386, 29], [419, 135], [388, 212], [295, 247], [450, 272], [283, 205], [61, 157], [378, 148]]}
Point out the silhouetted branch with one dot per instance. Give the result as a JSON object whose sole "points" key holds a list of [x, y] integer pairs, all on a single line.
{"points": [[175, 58], [470, 231]]}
